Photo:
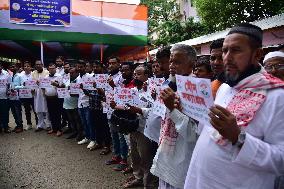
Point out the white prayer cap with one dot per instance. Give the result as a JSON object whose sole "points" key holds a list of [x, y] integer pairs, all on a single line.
{"points": [[273, 54]]}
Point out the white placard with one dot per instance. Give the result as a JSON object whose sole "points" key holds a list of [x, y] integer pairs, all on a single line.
{"points": [[63, 93], [107, 108], [101, 81], [13, 94], [196, 97], [88, 83], [159, 107], [31, 84], [25, 93], [75, 88], [45, 82], [154, 82], [124, 96], [65, 78], [3, 83]]}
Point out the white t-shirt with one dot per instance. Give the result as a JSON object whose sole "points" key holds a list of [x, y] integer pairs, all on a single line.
{"points": [[83, 100]]}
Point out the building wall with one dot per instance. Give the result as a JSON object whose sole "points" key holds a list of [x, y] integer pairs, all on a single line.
{"points": [[271, 37], [187, 9]]}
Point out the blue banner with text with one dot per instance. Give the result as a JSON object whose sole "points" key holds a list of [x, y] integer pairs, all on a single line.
{"points": [[41, 12]]}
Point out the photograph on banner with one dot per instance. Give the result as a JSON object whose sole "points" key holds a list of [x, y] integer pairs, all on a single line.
{"points": [[88, 83], [159, 107], [75, 88], [124, 96], [25, 93], [31, 84], [106, 106], [101, 81], [154, 82], [51, 12], [63, 93], [45, 82], [195, 97], [3, 83]]}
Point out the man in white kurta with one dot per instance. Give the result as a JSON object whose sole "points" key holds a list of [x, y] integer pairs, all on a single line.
{"points": [[39, 98], [247, 151]]}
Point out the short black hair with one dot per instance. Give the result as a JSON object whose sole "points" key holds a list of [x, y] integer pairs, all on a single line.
{"points": [[114, 57], [51, 64], [146, 70], [61, 58], [216, 44], [164, 52], [82, 62], [254, 33], [130, 64], [205, 62]]}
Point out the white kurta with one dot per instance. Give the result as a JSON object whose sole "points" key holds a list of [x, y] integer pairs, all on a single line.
{"points": [[260, 159], [39, 98]]}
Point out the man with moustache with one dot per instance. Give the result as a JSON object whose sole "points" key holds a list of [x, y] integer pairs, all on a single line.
{"points": [[28, 103], [243, 147], [39, 98], [177, 138], [274, 64], [142, 148]]}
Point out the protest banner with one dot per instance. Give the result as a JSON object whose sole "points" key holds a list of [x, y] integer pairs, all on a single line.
{"points": [[45, 82], [101, 81], [106, 106], [195, 97], [13, 94], [124, 96], [75, 88], [88, 83], [3, 83], [159, 107], [63, 93], [154, 82], [65, 78], [38, 12], [25, 93], [31, 84]]}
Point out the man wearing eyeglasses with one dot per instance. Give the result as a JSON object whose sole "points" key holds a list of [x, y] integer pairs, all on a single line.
{"points": [[274, 64]]}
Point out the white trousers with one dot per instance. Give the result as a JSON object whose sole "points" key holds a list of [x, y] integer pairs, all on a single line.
{"points": [[43, 120]]}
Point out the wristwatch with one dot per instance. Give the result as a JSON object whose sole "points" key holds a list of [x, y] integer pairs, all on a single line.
{"points": [[241, 139]]}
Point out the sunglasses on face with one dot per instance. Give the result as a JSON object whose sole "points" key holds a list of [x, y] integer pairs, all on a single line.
{"points": [[274, 67]]}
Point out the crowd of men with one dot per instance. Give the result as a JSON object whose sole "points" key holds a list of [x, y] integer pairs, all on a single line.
{"points": [[243, 147]]}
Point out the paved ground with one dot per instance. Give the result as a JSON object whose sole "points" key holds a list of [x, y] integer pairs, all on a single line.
{"points": [[37, 160]]}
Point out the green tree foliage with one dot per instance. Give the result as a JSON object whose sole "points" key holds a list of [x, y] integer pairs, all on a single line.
{"points": [[221, 14], [165, 26]]}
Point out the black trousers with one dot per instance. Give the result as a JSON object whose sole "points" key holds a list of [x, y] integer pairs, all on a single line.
{"points": [[28, 104], [101, 127], [55, 107], [74, 120]]}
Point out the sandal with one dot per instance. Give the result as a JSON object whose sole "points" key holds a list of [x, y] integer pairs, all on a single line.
{"points": [[105, 151], [133, 183], [127, 170]]}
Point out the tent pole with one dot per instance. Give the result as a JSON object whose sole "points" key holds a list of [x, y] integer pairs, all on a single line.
{"points": [[102, 53], [41, 52]]}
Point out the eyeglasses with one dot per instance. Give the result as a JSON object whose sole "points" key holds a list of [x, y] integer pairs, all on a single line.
{"points": [[274, 67]]}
